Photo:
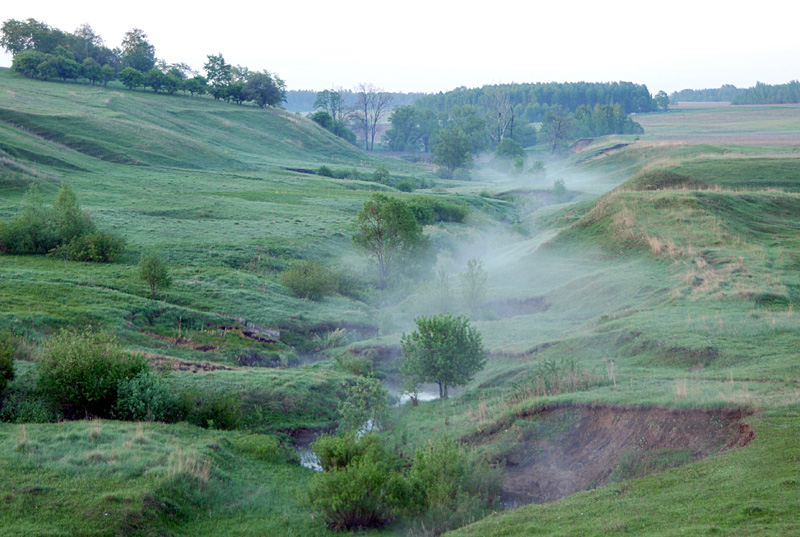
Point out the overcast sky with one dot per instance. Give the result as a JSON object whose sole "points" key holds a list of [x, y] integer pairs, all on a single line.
{"points": [[416, 45]]}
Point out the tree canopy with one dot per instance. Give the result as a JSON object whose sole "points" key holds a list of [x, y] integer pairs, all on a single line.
{"points": [[388, 231], [443, 349]]}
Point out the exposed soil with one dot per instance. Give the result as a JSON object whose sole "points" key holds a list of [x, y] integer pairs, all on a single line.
{"points": [[563, 450], [168, 363]]}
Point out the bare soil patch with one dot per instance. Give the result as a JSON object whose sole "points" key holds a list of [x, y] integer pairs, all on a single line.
{"points": [[168, 363], [563, 450]]}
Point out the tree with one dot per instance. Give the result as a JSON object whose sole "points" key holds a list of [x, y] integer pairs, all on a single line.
{"points": [[331, 101], [195, 85], [154, 272], [473, 286], [662, 100], [218, 74], [443, 349], [453, 149], [137, 52], [131, 78], [371, 105], [557, 127], [365, 407], [265, 89], [388, 231], [8, 348], [155, 79]]}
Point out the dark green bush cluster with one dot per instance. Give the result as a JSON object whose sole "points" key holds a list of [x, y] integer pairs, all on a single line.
{"points": [[429, 210], [63, 230], [327, 171], [264, 447], [211, 410], [308, 279], [81, 371], [145, 397], [365, 486], [8, 348]]}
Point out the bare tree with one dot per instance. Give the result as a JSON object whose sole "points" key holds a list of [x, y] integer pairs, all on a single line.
{"points": [[500, 118], [371, 105], [331, 101]]}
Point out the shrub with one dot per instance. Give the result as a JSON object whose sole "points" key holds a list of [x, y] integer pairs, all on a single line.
{"points": [[263, 447], [559, 191], [97, 247], [405, 185], [365, 407], [325, 171], [80, 371], [211, 410], [360, 487], [8, 348], [145, 397], [154, 272], [307, 279]]}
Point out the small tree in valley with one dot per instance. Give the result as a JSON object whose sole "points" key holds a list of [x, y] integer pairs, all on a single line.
{"points": [[443, 349], [154, 272]]}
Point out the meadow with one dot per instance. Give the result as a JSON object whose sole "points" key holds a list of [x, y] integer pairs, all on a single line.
{"points": [[655, 309]]}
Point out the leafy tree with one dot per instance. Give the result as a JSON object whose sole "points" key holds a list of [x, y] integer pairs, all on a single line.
{"points": [[195, 85], [443, 349], [332, 102], [265, 89], [107, 73], [71, 221], [218, 74], [154, 272], [388, 231], [131, 78], [27, 63], [323, 119], [155, 79], [365, 406], [137, 52], [91, 70], [453, 149], [510, 149], [557, 127], [412, 129], [30, 34], [235, 91], [468, 118], [662, 100]]}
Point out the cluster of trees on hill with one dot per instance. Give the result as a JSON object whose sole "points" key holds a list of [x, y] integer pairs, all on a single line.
{"points": [[761, 93], [305, 100], [725, 93], [47, 53]]}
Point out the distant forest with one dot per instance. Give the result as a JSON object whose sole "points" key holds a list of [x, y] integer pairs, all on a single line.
{"points": [[767, 94], [726, 93], [304, 100]]}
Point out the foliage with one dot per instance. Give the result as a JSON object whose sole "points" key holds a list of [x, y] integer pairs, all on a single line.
{"points": [[769, 94], [558, 128], [453, 149], [412, 129], [387, 231], [443, 349], [153, 271], [263, 447], [509, 148], [602, 120], [211, 410], [137, 52], [97, 247], [357, 490], [449, 490], [265, 89], [8, 349], [80, 371], [725, 93], [429, 210], [365, 406], [145, 397], [131, 78], [307, 279], [560, 193], [473, 286], [662, 100]]}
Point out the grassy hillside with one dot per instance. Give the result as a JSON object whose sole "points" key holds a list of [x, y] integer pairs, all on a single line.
{"points": [[642, 336]]}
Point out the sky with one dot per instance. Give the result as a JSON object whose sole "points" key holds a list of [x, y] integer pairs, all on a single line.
{"points": [[431, 46]]}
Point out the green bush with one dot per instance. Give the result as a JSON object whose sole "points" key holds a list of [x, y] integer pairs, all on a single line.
{"points": [[429, 210], [145, 397], [307, 279], [360, 487], [80, 371], [97, 247], [405, 185], [211, 410], [8, 348]]}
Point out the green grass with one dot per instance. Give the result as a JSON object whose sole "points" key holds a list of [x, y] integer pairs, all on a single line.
{"points": [[677, 289]]}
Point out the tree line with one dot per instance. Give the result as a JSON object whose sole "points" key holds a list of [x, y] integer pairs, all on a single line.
{"points": [[761, 93], [724, 93], [47, 53]]}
